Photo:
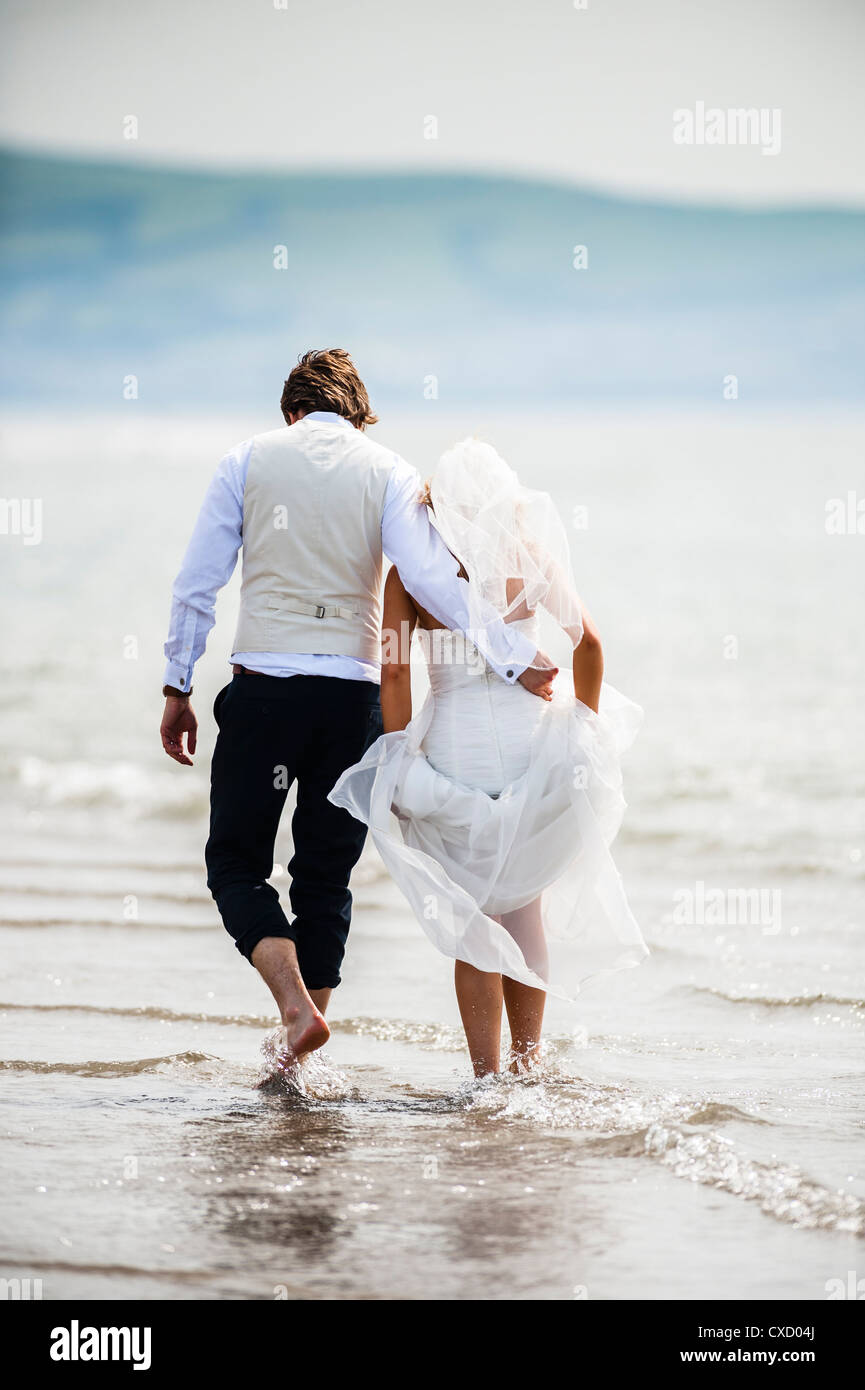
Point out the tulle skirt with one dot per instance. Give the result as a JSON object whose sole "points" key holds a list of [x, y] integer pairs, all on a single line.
{"points": [[494, 812]]}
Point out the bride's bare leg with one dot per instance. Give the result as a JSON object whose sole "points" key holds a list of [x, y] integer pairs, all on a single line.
{"points": [[479, 995], [525, 1005], [525, 1008]]}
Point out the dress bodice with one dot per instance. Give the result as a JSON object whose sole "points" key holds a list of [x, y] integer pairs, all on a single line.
{"points": [[454, 662]]}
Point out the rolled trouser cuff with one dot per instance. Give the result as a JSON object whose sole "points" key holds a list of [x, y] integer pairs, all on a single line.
{"points": [[247, 943]]}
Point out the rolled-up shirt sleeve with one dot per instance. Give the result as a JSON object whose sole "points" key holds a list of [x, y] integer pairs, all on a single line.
{"points": [[430, 573], [206, 568]]}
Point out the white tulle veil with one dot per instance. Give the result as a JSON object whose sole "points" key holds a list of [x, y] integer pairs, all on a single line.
{"points": [[509, 539]]}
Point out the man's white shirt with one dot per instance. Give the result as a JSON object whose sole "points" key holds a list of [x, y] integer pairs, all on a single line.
{"points": [[409, 541]]}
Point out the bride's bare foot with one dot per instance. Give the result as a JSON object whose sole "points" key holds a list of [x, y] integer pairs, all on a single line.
{"points": [[523, 1060]]}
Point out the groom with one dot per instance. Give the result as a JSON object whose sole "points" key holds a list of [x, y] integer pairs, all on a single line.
{"points": [[315, 507]]}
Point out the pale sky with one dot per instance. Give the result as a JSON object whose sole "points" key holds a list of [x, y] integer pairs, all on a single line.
{"points": [[534, 87]]}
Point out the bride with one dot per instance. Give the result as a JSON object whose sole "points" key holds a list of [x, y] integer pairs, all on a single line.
{"points": [[494, 810]]}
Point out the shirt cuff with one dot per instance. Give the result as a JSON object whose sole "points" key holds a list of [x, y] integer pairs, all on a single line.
{"points": [[523, 651], [178, 676]]}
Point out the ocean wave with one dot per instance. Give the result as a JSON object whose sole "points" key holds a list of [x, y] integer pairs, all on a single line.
{"points": [[56, 861], [148, 1011], [37, 890], [780, 1190], [137, 1067], [169, 1274], [124, 785], [83, 921], [675, 1131], [434, 1036], [764, 1001], [219, 1283], [437, 1037]]}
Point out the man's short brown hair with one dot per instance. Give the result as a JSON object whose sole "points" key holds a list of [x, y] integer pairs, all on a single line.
{"points": [[327, 379]]}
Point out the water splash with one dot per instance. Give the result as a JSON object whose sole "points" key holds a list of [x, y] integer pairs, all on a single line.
{"points": [[314, 1078]]}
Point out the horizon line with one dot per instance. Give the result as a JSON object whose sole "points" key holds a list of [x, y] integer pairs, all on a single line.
{"points": [[150, 163]]}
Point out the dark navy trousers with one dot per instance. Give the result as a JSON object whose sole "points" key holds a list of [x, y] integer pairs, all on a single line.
{"points": [[275, 731]]}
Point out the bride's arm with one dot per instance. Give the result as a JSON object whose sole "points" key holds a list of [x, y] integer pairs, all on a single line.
{"points": [[588, 665], [564, 605], [397, 625]]}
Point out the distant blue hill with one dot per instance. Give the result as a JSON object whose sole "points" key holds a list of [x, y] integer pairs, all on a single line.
{"points": [[117, 270]]}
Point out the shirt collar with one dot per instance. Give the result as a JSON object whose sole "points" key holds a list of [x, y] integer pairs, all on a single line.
{"points": [[328, 417]]}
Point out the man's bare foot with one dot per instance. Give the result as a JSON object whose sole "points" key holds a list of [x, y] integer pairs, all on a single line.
{"points": [[303, 1026], [304, 1031]]}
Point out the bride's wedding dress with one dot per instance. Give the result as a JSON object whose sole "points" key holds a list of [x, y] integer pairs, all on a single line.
{"points": [[494, 812]]}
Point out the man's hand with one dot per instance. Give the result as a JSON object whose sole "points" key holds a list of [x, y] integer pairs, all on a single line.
{"points": [[178, 719], [539, 678]]}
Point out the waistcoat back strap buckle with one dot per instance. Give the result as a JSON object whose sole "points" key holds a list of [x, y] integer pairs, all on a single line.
{"points": [[311, 610]]}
